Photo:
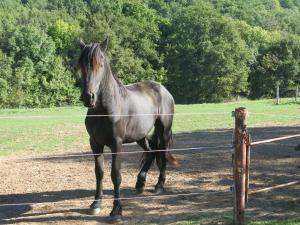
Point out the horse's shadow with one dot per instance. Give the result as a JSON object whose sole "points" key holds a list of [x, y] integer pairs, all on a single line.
{"points": [[20, 213], [8, 212]]}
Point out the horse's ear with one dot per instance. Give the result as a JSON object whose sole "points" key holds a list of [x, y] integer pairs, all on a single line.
{"points": [[82, 44], [104, 45]]}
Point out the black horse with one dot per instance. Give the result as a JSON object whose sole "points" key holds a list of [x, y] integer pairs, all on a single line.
{"points": [[130, 112]]}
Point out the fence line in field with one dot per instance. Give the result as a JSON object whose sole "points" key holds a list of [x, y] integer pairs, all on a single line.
{"points": [[241, 165], [244, 139], [274, 115], [143, 114], [224, 148], [110, 115], [274, 187], [117, 153], [274, 139], [204, 193]]}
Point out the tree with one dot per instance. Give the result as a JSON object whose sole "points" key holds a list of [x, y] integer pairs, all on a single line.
{"points": [[5, 77], [206, 58], [277, 63], [64, 34], [133, 32], [204, 51]]}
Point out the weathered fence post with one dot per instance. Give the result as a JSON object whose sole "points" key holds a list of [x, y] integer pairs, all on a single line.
{"points": [[297, 93], [277, 94], [241, 161]]}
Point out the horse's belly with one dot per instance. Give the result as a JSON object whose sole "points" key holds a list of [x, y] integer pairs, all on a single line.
{"points": [[138, 130]]}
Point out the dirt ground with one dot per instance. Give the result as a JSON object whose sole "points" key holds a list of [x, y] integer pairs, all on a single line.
{"points": [[61, 190]]}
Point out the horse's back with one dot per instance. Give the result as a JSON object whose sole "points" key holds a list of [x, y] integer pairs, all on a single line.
{"points": [[156, 92], [154, 99]]}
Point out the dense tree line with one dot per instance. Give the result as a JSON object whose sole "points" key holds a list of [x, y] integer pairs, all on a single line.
{"points": [[203, 51]]}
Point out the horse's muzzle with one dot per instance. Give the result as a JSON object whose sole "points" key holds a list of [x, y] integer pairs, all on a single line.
{"points": [[88, 100]]}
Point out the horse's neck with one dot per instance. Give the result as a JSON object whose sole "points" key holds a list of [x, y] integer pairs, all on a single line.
{"points": [[110, 96]]}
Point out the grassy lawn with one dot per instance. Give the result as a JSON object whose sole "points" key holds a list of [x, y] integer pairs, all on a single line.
{"points": [[294, 221], [48, 129]]}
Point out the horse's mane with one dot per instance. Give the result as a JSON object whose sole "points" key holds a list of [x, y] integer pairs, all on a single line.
{"points": [[122, 88], [92, 54]]}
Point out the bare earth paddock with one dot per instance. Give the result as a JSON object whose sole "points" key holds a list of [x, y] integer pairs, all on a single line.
{"points": [[65, 187]]}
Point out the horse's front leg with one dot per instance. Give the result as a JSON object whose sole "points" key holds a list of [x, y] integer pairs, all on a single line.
{"points": [[99, 172], [116, 213]]}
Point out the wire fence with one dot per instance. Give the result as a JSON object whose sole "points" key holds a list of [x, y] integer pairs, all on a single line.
{"points": [[274, 115], [142, 115], [198, 149], [223, 148], [107, 197], [203, 193], [274, 139], [274, 187], [112, 115]]}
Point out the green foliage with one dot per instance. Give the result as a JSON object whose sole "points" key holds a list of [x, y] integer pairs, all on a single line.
{"points": [[268, 14], [5, 77], [64, 34], [278, 63], [204, 51], [134, 35], [206, 58]]}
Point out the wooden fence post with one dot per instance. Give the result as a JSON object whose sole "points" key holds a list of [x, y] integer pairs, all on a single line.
{"points": [[241, 161], [297, 93], [277, 94]]}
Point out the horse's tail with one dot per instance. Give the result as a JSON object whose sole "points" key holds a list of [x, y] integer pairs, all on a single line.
{"points": [[158, 142]]}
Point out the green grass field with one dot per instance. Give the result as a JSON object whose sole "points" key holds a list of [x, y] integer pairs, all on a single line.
{"points": [[51, 129]]}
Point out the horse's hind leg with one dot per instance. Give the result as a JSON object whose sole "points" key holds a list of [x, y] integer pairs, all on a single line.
{"points": [[161, 164], [147, 162], [99, 171], [165, 135]]}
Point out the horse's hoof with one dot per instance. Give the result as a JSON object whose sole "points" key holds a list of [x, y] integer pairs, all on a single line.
{"points": [[115, 219], [94, 211], [159, 190]]}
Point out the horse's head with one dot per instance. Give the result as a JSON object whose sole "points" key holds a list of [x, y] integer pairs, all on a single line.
{"points": [[92, 63]]}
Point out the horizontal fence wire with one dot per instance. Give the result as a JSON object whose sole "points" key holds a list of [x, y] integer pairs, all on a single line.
{"points": [[274, 187], [224, 148], [204, 193], [155, 196], [274, 139], [141, 114], [111, 115], [270, 189], [274, 115]]}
